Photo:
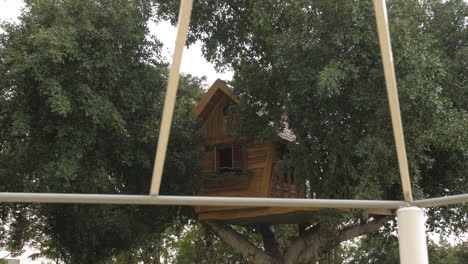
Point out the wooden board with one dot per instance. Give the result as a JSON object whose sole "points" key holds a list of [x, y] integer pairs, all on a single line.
{"points": [[255, 185], [247, 215], [270, 215]]}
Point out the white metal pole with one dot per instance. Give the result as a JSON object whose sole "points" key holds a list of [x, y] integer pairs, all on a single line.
{"points": [[169, 103], [441, 201], [193, 200], [389, 71], [226, 201], [412, 236]]}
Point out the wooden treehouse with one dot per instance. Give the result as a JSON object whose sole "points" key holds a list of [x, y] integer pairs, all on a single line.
{"points": [[233, 167]]}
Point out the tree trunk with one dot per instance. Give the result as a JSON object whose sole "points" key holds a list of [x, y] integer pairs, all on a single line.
{"points": [[307, 247], [241, 244], [269, 241]]}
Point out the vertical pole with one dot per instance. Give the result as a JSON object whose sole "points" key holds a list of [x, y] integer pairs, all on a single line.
{"points": [[172, 84], [392, 92], [412, 236]]}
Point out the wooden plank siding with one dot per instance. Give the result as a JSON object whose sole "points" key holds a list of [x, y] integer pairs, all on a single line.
{"points": [[214, 125], [244, 214], [257, 177]]}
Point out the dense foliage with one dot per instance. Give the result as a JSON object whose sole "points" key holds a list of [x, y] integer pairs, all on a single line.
{"points": [[383, 248], [81, 92], [315, 66], [81, 88]]}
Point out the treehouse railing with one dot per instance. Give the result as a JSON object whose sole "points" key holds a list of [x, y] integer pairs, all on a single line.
{"points": [[282, 186]]}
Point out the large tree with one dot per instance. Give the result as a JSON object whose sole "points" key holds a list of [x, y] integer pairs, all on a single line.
{"points": [[81, 91], [383, 248], [316, 66]]}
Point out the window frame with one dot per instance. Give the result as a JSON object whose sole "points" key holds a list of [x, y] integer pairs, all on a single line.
{"points": [[238, 158]]}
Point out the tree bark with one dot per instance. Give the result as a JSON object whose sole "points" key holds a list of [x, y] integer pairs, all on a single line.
{"points": [[329, 240], [241, 244], [308, 239], [307, 247], [361, 229], [301, 229], [269, 241], [317, 241]]}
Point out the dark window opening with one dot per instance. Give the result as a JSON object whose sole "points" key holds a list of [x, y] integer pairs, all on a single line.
{"points": [[228, 158], [225, 158]]}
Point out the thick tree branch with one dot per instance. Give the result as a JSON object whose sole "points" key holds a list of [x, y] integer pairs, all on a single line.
{"points": [[317, 241], [241, 244], [361, 229], [295, 248], [330, 240], [269, 241]]}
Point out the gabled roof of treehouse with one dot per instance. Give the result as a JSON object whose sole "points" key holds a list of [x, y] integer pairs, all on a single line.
{"points": [[218, 89]]}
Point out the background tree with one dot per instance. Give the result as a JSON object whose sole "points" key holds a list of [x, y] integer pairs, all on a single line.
{"points": [[316, 66], [81, 89], [382, 247]]}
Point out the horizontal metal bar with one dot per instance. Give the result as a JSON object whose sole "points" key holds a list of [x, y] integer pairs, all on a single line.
{"points": [[194, 200], [440, 201]]}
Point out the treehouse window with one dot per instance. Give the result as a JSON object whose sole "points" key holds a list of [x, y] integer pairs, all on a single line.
{"points": [[228, 158], [225, 158]]}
